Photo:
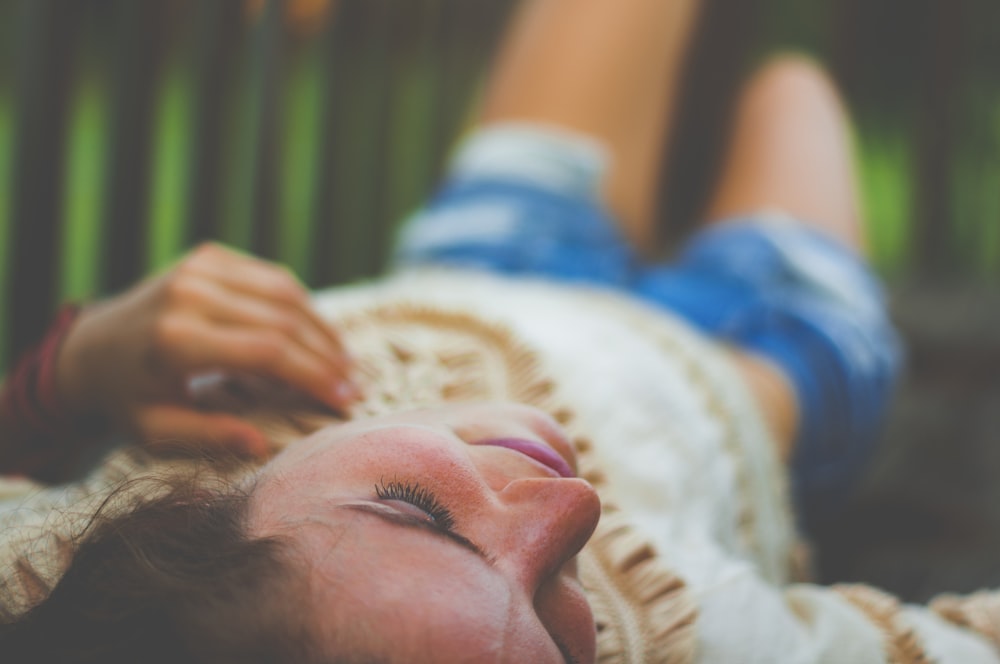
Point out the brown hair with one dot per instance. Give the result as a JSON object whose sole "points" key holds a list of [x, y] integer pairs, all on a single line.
{"points": [[175, 579]]}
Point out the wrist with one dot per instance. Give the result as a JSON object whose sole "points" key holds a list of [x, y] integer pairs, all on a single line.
{"points": [[40, 429], [48, 358], [77, 396]]}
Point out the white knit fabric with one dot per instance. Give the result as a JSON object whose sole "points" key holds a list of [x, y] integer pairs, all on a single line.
{"points": [[688, 458]]}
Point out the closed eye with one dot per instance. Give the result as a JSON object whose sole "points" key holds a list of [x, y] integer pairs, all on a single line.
{"points": [[419, 497], [397, 518]]}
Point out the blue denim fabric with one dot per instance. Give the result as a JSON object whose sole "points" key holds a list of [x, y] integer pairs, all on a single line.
{"points": [[810, 305], [517, 229], [779, 289]]}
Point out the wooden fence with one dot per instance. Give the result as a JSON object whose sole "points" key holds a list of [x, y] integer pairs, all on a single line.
{"points": [[130, 130]]}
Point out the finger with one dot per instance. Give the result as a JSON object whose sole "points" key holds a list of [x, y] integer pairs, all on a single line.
{"points": [[222, 305], [167, 428], [245, 273], [261, 279], [189, 344]]}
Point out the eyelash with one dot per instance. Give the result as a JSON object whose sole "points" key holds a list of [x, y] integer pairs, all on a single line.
{"points": [[419, 497]]}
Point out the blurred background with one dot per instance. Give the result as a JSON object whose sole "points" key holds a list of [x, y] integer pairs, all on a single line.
{"points": [[304, 130]]}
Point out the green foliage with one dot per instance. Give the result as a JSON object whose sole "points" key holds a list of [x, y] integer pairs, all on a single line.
{"points": [[885, 157]]}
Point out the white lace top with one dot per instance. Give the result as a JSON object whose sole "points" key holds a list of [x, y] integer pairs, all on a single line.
{"points": [[679, 446]]}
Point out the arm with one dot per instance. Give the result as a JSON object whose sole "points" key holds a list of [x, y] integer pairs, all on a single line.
{"points": [[127, 361]]}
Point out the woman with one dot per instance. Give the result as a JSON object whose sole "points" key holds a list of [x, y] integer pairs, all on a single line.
{"points": [[630, 505]]}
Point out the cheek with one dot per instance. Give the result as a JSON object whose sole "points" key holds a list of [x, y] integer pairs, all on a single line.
{"points": [[471, 615], [563, 608], [485, 628], [426, 604], [462, 623]]}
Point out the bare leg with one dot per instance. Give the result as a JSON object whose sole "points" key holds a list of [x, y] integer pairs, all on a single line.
{"points": [[791, 150], [606, 68]]}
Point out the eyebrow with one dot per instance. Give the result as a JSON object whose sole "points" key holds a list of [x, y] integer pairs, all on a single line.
{"points": [[395, 518]]}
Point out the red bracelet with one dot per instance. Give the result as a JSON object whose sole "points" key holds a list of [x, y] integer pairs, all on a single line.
{"points": [[42, 430]]}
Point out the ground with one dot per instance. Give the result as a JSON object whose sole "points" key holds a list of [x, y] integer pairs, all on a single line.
{"points": [[926, 518]]}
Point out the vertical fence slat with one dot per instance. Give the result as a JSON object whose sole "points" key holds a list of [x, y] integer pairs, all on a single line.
{"points": [[356, 141], [468, 33], [942, 84], [172, 143], [7, 53], [366, 139], [217, 44], [976, 175], [451, 34], [271, 107], [323, 269], [45, 75], [249, 189], [138, 57], [302, 127], [718, 60], [329, 257], [989, 13], [883, 78], [881, 93], [409, 121], [84, 229]]}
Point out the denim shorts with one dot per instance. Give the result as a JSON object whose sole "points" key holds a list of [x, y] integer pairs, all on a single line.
{"points": [[523, 200]]}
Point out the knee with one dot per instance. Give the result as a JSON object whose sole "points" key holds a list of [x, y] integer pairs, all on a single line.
{"points": [[790, 78]]}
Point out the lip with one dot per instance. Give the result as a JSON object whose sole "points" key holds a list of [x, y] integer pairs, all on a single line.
{"points": [[539, 452]]}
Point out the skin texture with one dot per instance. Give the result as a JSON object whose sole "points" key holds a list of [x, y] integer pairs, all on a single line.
{"points": [[428, 597], [130, 358], [605, 69], [774, 393], [791, 150]]}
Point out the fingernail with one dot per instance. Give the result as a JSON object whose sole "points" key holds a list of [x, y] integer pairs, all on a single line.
{"points": [[345, 392]]}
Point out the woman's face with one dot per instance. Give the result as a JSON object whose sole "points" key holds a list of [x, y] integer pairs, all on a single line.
{"points": [[443, 535]]}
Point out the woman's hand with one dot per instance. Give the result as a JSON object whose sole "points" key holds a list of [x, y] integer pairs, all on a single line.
{"points": [[130, 358]]}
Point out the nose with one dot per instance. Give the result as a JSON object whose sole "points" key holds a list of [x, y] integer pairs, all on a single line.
{"points": [[547, 522]]}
